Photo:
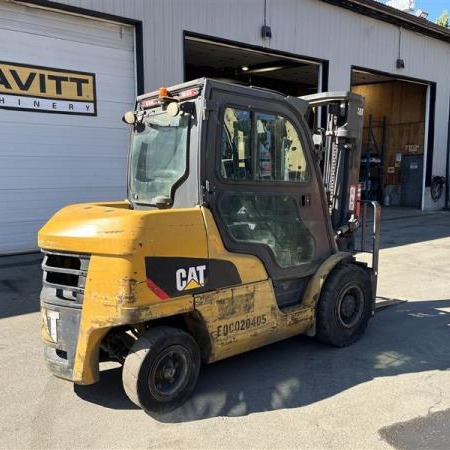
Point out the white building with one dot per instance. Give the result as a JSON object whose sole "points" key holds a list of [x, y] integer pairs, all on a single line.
{"points": [[70, 68]]}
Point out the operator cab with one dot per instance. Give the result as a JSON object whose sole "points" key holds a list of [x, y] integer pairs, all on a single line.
{"points": [[251, 163], [248, 156]]}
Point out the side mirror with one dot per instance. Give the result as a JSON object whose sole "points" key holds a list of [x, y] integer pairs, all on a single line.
{"points": [[129, 117], [319, 141]]}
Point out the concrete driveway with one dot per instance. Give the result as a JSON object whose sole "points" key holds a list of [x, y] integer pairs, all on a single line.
{"points": [[391, 389]]}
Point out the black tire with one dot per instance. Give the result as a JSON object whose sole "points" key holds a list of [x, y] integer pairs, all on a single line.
{"points": [[161, 369], [344, 306]]}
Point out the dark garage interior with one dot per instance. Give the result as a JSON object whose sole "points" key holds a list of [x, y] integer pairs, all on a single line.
{"points": [[289, 75], [392, 160]]}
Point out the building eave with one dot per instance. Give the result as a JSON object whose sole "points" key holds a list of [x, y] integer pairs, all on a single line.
{"points": [[380, 11]]}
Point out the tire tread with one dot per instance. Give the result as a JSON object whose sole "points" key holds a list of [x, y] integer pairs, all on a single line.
{"points": [[137, 355]]}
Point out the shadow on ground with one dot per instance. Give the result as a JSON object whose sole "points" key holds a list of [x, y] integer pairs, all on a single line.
{"points": [[429, 432], [410, 337], [20, 284], [108, 392]]}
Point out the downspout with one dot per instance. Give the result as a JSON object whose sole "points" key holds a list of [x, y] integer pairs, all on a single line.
{"points": [[447, 169], [265, 13]]}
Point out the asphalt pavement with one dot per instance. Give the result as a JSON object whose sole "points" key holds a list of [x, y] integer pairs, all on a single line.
{"points": [[389, 390]]}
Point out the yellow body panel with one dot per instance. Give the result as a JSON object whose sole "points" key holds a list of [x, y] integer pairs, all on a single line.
{"points": [[246, 317], [116, 291], [115, 229], [229, 320]]}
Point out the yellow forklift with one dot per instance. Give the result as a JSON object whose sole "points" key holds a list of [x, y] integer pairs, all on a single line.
{"points": [[241, 228]]}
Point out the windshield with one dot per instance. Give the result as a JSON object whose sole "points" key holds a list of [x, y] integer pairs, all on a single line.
{"points": [[158, 156]]}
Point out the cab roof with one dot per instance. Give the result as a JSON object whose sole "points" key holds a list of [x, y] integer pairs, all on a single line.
{"points": [[207, 84]]}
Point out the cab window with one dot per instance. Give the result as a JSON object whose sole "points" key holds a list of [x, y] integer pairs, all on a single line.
{"points": [[271, 220], [261, 146]]}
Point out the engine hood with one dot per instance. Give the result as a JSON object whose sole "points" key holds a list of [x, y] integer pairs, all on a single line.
{"points": [[101, 228]]}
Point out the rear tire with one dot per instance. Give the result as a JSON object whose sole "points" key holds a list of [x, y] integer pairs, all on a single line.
{"points": [[161, 369], [344, 307]]}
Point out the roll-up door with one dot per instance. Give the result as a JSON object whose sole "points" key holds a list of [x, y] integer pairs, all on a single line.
{"points": [[65, 82]]}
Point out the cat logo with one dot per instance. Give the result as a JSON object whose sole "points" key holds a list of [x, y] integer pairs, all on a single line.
{"points": [[190, 278]]}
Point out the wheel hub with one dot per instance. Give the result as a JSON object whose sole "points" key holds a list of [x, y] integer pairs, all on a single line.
{"points": [[169, 373], [350, 306]]}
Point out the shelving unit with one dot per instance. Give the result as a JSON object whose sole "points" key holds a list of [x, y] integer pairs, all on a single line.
{"points": [[371, 174]]}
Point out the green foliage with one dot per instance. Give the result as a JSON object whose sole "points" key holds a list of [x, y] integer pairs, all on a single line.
{"points": [[444, 20]]}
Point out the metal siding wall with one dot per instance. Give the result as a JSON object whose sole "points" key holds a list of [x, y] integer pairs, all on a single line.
{"points": [[306, 27], [50, 160]]}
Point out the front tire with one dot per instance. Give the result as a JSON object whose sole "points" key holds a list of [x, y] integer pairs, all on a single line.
{"points": [[344, 307], [161, 369]]}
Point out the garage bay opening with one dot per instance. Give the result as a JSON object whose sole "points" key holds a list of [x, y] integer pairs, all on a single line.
{"points": [[239, 64], [394, 138]]}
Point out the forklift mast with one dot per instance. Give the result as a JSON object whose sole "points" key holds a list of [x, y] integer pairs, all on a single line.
{"points": [[338, 145]]}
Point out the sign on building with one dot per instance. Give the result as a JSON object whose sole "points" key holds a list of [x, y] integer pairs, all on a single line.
{"points": [[44, 89]]}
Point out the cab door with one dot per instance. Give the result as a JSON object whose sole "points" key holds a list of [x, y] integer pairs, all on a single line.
{"points": [[262, 186]]}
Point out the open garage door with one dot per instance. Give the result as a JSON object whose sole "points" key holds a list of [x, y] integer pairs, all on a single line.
{"points": [[249, 66], [394, 138], [65, 82]]}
